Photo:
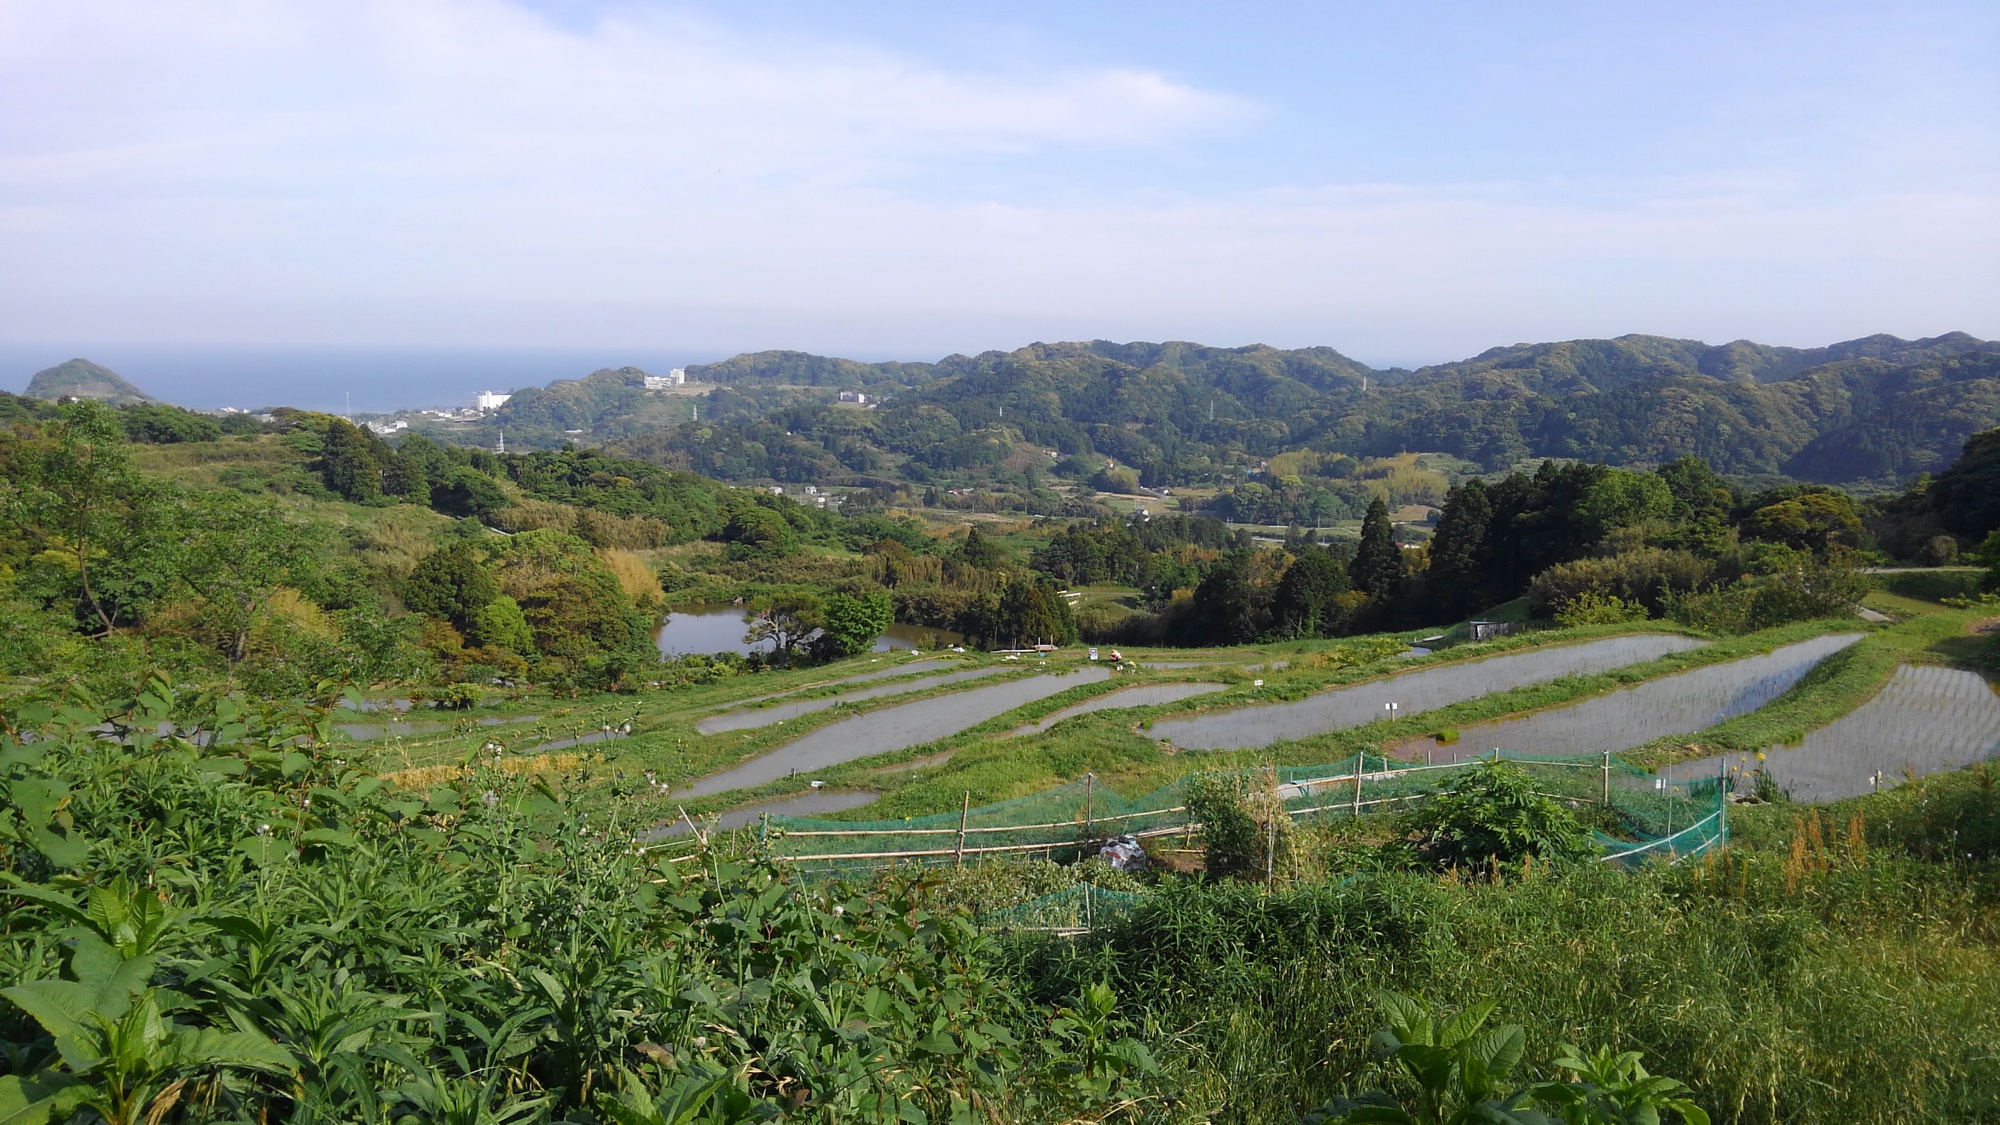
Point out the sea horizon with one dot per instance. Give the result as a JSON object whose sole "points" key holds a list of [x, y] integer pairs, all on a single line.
{"points": [[373, 379]]}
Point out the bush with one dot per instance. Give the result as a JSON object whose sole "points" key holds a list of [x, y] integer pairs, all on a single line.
{"points": [[1645, 577], [1493, 815], [1803, 593], [1598, 609], [1244, 829]]}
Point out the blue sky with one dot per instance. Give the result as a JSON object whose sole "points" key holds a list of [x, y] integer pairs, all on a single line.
{"points": [[1407, 183]]}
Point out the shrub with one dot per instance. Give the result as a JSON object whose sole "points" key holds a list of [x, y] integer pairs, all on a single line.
{"points": [[1645, 577], [1244, 829], [1599, 609], [1493, 815]]}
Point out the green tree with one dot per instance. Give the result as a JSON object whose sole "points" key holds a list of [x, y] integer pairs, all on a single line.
{"points": [[1817, 521], [234, 552], [468, 493], [1033, 613], [757, 532], [347, 462], [571, 599], [850, 624], [1305, 605], [787, 623], [1966, 496], [76, 499], [159, 424], [1457, 566], [501, 624], [975, 550], [1377, 568], [452, 584], [1623, 498]]}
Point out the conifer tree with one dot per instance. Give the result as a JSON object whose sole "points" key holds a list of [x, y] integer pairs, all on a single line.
{"points": [[1378, 563], [1456, 573]]}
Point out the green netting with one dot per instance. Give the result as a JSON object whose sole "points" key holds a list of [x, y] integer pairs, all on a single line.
{"points": [[1075, 908], [1668, 820]]}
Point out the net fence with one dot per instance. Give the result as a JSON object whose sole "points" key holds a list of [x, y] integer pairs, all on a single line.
{"points": [[1654, 816]]}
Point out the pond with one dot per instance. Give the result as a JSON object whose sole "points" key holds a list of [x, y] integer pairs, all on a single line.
{"points": [[1147, 695], [813, 802], [1682, 703], [749, 720], [1414, 692], [894, 728], [1925, 720], [718, 627]]}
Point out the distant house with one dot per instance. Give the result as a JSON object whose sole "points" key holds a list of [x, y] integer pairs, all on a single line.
{"points": [[678, 377], [385, 428], [855, 397], [489, 400]]}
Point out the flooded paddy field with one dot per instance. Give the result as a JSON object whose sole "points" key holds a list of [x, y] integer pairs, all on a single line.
{"points": [[749, 720], [1147, 695], [894, 728], [1414, 692], [1682, 703], [910, 669], [1925, 720]]}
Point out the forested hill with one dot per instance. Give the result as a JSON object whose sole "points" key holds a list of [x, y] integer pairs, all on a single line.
{"points": [[1875, 410]]}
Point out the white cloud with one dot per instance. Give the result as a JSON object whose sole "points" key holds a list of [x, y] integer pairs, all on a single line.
{"points": [[463, 171]]}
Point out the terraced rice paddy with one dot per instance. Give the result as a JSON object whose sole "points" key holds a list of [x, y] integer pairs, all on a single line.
{"points": [[894, 728], [1148, 695], [1678, 704], [1414, 692], [909, 669], [749, 720], [1926, 720]]}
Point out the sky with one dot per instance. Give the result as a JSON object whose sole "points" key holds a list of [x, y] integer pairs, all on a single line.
{"points": [[1408, 183]]}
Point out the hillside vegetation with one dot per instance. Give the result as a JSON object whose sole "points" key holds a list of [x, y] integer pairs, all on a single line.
{"points": [[1874, 410]]}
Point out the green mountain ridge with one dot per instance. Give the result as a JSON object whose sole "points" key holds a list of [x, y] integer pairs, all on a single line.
{"points": [[1873, 410], [80, 378]]}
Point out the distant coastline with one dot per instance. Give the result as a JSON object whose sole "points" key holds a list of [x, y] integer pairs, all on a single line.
{"points": [[379, 379]]}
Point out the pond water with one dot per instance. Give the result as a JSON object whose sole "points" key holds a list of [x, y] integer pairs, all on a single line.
{"points": [[1422, 690], [1925, 720], [1147, 695], [1682, 703], [813, 802], [895, 728], [748, 720], [717, 627]]}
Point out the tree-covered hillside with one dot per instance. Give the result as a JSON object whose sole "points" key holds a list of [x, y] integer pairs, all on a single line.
{"points": [[1871, 411]]}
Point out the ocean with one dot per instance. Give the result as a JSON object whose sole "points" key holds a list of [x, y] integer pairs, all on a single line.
{"points": [[374, 379]]}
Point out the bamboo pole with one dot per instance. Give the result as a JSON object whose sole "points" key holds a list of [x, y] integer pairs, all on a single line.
{"points": [[964, 808]]}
